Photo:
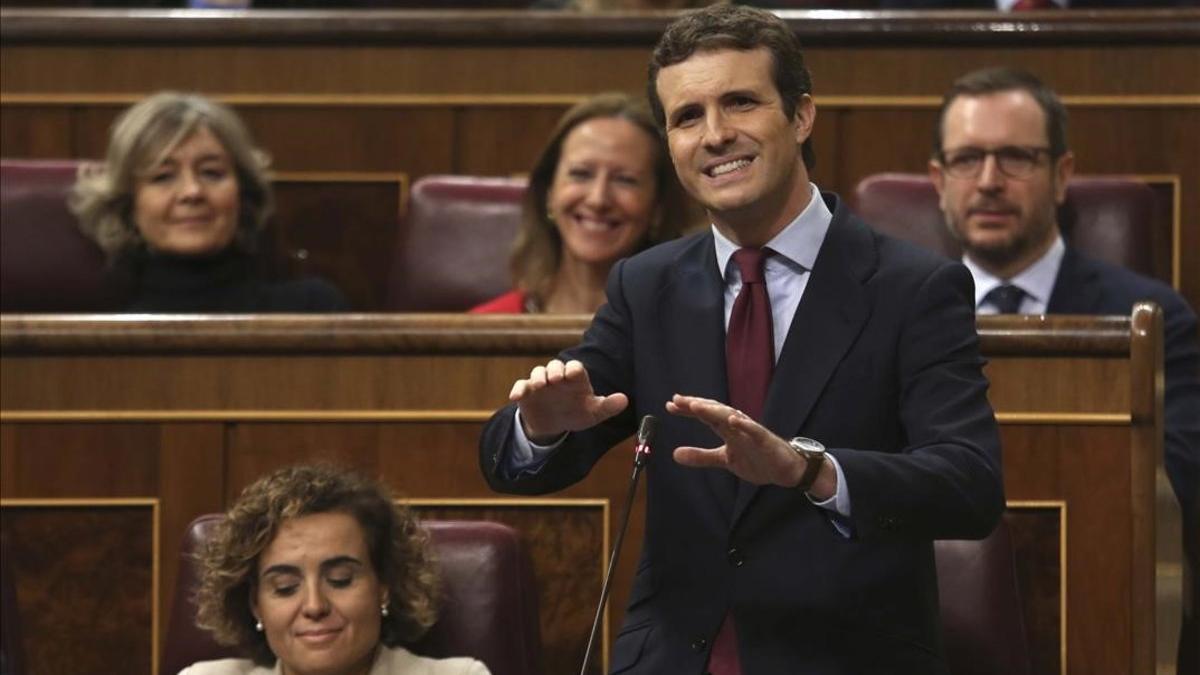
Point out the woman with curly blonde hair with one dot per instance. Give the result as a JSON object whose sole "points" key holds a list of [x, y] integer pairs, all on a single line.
{"points": [[178, 206], [317, 570]]}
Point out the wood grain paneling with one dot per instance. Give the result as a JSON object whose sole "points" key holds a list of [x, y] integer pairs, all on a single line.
{"points": [[501, 141], [82, 573], [1038, 533], [341, 381], [94, 460], [342, 229], [36, 132]]}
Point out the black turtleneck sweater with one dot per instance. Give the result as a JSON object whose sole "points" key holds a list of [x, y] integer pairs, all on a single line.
{"points": [[223, 283]]}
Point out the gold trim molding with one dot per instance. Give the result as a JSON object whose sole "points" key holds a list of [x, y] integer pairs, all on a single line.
{"points": [[330, 416], [434, 100], [1081, 419]]}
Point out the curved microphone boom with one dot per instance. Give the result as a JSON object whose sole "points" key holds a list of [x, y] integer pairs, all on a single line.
{"points": [[641, 452]]}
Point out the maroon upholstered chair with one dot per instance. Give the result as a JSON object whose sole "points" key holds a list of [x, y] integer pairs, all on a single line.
{"points": [[982, 620], [46, 263], [453, 244], [1110, 218], [489, 607]]}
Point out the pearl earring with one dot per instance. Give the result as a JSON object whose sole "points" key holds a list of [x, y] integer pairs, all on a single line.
{"points": [[258, 625], [383, 610]]}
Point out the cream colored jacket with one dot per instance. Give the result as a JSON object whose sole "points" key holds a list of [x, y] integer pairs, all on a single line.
{"points": [[389, 661]]}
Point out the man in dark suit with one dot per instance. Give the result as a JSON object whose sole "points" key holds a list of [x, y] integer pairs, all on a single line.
{"points": [[762, 554], [1001, 164]]}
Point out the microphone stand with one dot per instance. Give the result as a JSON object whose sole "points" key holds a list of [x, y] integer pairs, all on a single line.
{"points": [[641, 452]]}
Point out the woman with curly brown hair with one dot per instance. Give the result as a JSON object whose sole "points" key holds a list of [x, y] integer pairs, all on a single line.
{"points": [[317, 570]]}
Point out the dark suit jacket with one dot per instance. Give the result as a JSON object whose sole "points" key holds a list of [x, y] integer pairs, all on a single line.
{"points": [[882, 365]]}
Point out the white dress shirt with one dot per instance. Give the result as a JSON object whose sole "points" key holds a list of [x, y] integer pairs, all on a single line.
{"points": [[1037, 281]]}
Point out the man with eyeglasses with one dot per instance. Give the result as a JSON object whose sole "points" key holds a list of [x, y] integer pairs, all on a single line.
{"points": [[1001, 165]]}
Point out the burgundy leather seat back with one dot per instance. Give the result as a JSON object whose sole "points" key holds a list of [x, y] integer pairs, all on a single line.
{"points": [[489, 606], [46, 263], [453, 246], [1109, 218], [982, 620]]}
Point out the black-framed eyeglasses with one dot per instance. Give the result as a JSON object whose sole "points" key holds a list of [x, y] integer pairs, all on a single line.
{"points": [[1014, 161]]}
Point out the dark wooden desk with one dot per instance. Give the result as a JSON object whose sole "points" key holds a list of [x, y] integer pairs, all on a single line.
{"points": [[116, 431]]}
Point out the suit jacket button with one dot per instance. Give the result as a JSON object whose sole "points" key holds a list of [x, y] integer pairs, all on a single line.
{"points": [[699, 644], [735, 557]]}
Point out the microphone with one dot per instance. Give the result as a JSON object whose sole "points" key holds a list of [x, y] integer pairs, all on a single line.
{"points": [[641, 452], [645, 434]]}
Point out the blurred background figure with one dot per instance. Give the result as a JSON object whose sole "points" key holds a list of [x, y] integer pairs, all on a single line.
{"points": [[317, 570], [602, 189], [178, 207]]}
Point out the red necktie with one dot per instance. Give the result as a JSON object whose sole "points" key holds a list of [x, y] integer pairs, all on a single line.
{"points": [[749, 347], [1023, 5], [749, 361]]}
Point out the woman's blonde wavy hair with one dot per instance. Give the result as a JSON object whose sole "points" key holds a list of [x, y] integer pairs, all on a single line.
{"points": [[397, 545], [103, 195]]}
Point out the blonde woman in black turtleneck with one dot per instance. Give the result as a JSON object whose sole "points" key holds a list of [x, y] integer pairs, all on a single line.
{"points": [[178, 206]]}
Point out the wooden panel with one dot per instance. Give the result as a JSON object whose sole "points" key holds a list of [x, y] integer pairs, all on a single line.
{"points": [[191, 478], [36, 132], [412, 140], [92, 460], [84, 573], [1038, 536], [1087, 467], [501, 141], [341, 230], [1064, 385], [403, 397]]}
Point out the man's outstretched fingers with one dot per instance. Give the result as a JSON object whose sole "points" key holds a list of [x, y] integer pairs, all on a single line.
{"points": [[700, 457]]}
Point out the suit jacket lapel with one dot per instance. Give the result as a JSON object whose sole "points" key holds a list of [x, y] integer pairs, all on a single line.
{"points": [[692, 308], [1075, 288], [831, 314]]}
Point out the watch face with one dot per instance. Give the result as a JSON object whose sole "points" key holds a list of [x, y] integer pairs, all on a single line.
{"points": [[806, 445]]}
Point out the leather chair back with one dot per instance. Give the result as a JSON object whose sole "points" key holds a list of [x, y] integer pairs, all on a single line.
{"points": [[46, 263], [489, 603], [1110, 218], [453, 246], [982, 620]]}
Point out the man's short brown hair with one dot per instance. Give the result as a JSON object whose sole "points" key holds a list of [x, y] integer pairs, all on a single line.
{"points": [[997, 80], [742, 28]]}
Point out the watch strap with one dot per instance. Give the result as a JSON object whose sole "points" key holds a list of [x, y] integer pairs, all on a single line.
{"points": [[813, 461]]}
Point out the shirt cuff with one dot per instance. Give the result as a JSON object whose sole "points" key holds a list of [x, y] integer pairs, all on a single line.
{"points": [[527, 456], [839, 504]]}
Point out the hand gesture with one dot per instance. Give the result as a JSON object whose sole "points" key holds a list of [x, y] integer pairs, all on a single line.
{"points": [[751, 452], [558, 397]]}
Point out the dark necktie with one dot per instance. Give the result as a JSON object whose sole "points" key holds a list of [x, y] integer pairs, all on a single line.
{"points": [[1006, 298], [1024, 5], [749, 362], [749, 346]]}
